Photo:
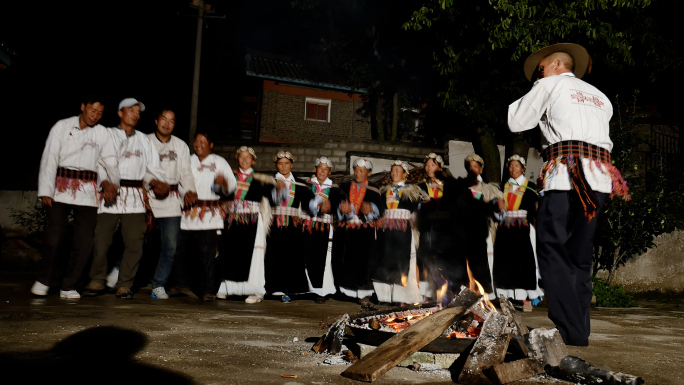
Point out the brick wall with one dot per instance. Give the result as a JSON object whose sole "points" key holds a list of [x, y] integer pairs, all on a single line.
{"points": [[338, 152], [282, 120]]}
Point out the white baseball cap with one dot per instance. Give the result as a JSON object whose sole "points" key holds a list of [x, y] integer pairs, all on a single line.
{"points": [[130, 102]]}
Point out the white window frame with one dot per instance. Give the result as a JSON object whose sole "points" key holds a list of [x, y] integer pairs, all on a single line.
{"points": [[327, 102]]}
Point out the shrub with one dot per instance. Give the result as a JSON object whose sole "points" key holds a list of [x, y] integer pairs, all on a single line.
{"points": [[611, 296]]}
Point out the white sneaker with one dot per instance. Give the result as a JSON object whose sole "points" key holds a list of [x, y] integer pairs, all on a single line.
{"points": [[39, 289], [254, 298], [112, 278], [159, 293], [69, 294]]}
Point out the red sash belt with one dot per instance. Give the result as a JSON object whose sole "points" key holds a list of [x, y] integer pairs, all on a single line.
{"points": [[571, 153], [77, 174], [576, 148]]}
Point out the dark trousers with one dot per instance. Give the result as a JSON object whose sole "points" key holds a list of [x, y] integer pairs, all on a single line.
{"points": [[197, 247], [85, 218], [565, 240], [169, 229], [133, 230]]}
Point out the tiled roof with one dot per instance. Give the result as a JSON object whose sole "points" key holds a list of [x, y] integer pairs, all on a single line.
{"points": [[287, 71]]}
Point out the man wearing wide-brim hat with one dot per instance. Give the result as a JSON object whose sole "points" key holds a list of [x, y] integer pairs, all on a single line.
{"points": [[575, 181]]}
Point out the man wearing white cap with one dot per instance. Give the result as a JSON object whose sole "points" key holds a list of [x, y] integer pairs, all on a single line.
{"points": [[140, 171], [575, 181]]}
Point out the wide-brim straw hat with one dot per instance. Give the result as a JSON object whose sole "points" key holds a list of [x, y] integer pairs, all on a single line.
{"points": [[578, 53]]}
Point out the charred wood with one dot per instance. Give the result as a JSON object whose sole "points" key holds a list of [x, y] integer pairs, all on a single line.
{"points": [[514, 371], [577, 370], [332, 340], [489, 349]]}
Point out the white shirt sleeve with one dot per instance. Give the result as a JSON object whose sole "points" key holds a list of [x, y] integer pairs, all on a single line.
{"points": [[526, 112], [230, 178], [108, 164], [49, 164], [187, 179]]}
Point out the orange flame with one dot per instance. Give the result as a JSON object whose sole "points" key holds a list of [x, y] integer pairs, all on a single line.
{"points": [[404, 280], [441, 293], [475, 286]]}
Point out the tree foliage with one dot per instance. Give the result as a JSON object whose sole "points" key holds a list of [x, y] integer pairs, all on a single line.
{"points": [[482, 45], [628, 228]]}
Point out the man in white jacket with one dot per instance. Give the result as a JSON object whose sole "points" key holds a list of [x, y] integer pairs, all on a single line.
{"points": [[140, 171], [174, 158], [69, 181], [576, 179]]}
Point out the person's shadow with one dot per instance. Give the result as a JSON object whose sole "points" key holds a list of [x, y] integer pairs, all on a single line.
{"points": [[100, 355]]}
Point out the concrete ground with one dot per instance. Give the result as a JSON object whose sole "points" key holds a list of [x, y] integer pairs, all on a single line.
{"points": [[182, 340]]}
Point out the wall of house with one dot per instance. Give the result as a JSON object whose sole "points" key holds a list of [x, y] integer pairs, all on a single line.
{"points": [[283, 116], [339, 152]]}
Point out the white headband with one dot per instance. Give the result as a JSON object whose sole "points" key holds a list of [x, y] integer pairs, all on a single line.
{"points": [[364, 163], [323, 159], [403, 165]]}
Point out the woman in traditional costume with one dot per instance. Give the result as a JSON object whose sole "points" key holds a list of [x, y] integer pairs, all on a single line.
{"points": [[285, 261], [355, 241], [202, 223], [515, 262], [395, 279], [436, 256], [244, 240], [474, 220], [318, 233]]}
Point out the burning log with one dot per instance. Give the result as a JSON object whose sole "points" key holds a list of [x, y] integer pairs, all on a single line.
{"points": [[519, 329], [509, 311], [489, 349], [374, 324], [404, 344], [332, 340], [578, 371]]}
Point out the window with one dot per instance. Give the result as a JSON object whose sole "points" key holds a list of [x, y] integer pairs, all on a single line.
{"points": [[317, 110]]}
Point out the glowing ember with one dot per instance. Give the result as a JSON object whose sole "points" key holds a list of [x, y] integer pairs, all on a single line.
{"points": [[404, 280], [401, 323]]}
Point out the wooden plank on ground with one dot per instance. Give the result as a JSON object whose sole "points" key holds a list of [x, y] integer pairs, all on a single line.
{"points": [[513, 371], [409, 341], [489, 349]]}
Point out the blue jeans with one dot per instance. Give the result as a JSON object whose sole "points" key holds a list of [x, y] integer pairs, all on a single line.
{"points": [[169, 229]]}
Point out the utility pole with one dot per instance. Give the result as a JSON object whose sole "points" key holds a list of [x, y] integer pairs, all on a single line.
{"points": [[201, 10], [196, 77]]}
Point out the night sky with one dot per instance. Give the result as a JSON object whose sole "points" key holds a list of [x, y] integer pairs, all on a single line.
{"points": [[143, 49]]}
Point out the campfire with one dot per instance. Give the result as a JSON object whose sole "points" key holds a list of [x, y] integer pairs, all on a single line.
{"points": [[496, 346]]}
